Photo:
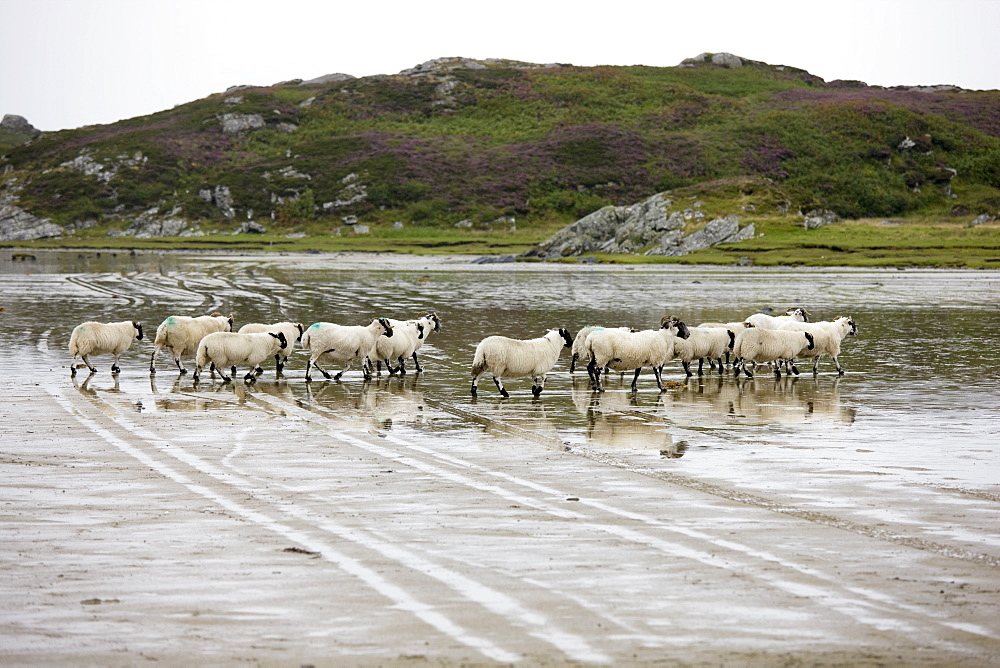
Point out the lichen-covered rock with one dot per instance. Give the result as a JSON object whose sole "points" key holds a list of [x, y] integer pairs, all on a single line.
{"points": [[648, 227], [234, 123], [16, 224], [819, 218]]}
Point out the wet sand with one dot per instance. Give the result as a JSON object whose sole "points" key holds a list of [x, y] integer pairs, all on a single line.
{"points": [[819, 521]]}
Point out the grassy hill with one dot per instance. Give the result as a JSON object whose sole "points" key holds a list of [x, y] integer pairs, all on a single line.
{"points": [[514, 151]]}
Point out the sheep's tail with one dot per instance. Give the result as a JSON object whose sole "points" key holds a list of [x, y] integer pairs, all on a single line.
{"points": [[479, 362], [201, 359]]}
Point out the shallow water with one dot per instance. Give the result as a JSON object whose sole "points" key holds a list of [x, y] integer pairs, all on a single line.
{"points": [[904, 446], [918, 403]]}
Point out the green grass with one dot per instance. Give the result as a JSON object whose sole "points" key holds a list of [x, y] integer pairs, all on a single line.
{"points": [[546, 146]]}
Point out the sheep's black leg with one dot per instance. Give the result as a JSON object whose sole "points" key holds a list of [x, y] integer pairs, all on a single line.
{"points": [[687, 368], [89, 365], [279, 365], [572, 362], [595, 375], [635, 379], [840, 369], [416, 363], [402, 367], [701, 365], [720, 366], [658, 372], [180, 367], [114, 365], [500, 387]]}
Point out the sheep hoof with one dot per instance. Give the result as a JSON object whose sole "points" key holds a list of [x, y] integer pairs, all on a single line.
{"points": [[250, 379], [475, 392], [505, 394], [72, 370], [183, 371], [116, 369]]}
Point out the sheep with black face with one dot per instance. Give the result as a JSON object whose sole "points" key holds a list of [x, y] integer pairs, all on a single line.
{"points": [[97, 338], [517, 358]]}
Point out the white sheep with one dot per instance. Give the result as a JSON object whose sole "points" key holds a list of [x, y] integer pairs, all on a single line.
{"points": [[757, 345], [327, 341], [622, 351], [579, 351], [427, 320], [734, 327], [232, 349], [704, 343], [98, 338], [516, 358], [828, 336], [293, 334], [406, 336], [765, 321], [182, 334]]}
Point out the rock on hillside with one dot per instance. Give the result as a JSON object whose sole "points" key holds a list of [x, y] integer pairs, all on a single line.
{"points": [[649, 227]]}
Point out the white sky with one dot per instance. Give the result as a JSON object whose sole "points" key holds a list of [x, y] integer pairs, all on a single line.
{"points": [[69, 63]]}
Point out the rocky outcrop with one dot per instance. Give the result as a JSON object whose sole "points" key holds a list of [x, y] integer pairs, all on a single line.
{"points": [[234, 123], [818, 218], [221, 198], [16, 224], [150, 223], [722, 59], [328, 78], [649, 227], [19, 124]]}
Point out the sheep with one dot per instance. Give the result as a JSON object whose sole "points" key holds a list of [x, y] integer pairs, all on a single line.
{"points": [[756, 344], [293, 334], [828, 336], [427, 320], [232, 348], [342, 343], [416, 332], [765, 321], [97, 338], [515, 358], [580, 344], [402, 344], [704, 342], [622, 351], [182, 334], [734, 327]]}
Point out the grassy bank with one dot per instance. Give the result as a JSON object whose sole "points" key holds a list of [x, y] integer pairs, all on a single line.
{"points": [[780, 241]]}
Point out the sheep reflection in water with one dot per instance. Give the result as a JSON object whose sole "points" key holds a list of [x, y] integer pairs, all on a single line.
{"points": [[722, 402], [616, 419], [383, 401]]}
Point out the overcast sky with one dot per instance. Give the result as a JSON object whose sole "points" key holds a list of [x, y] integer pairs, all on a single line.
{"points": [[69, 63]]}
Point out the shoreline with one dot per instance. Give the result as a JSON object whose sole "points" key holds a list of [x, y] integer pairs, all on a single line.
{"points": [[390, 261]]}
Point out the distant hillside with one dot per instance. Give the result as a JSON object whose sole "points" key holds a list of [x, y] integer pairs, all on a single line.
{"points": [[500, 143]]}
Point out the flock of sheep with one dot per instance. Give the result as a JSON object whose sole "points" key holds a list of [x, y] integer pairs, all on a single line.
{"points": [[759, 339]]}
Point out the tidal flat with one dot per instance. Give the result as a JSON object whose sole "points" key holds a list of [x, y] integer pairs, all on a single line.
{"points": [[819, 519]]}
